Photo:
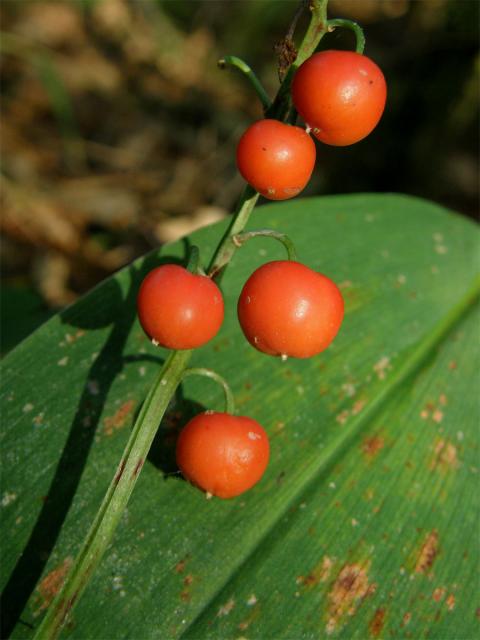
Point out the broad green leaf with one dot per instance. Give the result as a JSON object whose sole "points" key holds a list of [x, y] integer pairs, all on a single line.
{"points": [[366, 522]]}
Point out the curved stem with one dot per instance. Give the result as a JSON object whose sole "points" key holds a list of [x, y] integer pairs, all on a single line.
{"points": [[208, 373], [353, 26], [238, 63], [240, 238]]}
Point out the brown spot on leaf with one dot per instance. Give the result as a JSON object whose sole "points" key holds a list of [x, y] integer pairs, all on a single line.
{"points": [[342, 416], [225, 609], [444, 456], [450, 601], [348, 592], [438, 594], [248, 621], [52, 583], [371, 446], [320, 573], [119, 418], [69, 338], [138, 467], [406, 619], [377, 622], [180, 566], [120, 471], [428, 553], [358, 406]]}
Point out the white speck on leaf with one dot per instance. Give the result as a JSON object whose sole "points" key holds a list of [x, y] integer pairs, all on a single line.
{"points": [[27, 407], [63, 362], [381, 367], [252, 600], [349, 389], [8, 498]]}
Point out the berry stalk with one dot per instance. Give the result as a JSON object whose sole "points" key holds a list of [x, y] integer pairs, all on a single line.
{"points": [[126, 475]]}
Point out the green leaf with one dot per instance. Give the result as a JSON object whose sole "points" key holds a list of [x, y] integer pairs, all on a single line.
{"points": [[366, 522]]}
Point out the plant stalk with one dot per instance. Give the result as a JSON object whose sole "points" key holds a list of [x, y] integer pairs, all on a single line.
{"points": [[108, 517], [116, 499]]}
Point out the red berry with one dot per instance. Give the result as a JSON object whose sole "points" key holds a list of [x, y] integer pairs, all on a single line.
{"points": [[287, 309], [276, 159], [179, 309], [223, 454], [340, 94]]}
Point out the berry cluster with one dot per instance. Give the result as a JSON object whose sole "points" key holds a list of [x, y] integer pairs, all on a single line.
{"points": [[341, 97], [285, 308]]}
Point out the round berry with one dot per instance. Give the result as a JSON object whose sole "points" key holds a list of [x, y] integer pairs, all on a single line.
{"points": [[223, 454], [179, 309], [340, 94], [287, 309], [276, 159]]}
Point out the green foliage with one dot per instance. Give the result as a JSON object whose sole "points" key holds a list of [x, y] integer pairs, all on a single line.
{"points": [[365, 522]]}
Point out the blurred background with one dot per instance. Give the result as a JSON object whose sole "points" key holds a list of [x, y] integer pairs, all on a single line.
{"points": [[119, 131]]}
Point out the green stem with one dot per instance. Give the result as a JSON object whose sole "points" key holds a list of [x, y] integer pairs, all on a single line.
{"points": [[353, 26], [238, 63], [103, 528], [111, 510], [240, 238], [208, 373], [193, 259], [317, 28], [227, 248]]}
